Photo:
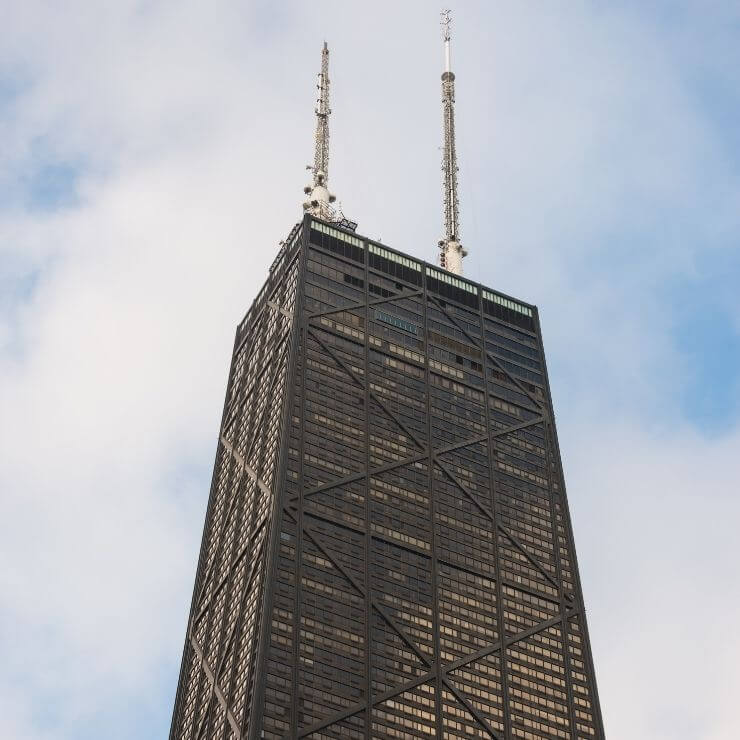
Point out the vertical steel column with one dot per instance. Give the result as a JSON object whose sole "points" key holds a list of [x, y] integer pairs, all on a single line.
{"points": [[273, 536], [368, 512], [437, 665], [494, 510]]}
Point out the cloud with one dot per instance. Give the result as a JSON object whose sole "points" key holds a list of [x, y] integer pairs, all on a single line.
{"points": [[599, 180], [656, 515]]}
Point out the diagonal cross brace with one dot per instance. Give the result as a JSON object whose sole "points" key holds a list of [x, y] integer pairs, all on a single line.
{"points": [[429, 676], [411, 460], [374, 396], [362, 474], [207, 574], [469, 706], [215, 687], [496, 362], [255, 328], [247, 468], [362, 592], [508, 642], [484, 510], [243, 397], [227, 646], [266, 491], [230, 449], [245, 595], [536, 563], [356, 306], [225, 578], [361, 707]]}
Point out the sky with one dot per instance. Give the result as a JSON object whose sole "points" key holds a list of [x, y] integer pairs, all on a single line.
{"points": [[152, 156]]}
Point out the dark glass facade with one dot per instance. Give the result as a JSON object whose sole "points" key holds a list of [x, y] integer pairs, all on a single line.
{"points": [[387, 550]]}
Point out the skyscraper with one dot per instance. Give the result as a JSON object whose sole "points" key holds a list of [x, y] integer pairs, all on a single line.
{"points": [[387, 550]]}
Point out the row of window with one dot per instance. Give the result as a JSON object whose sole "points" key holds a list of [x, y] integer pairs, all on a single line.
{"points": [[438, 281]]}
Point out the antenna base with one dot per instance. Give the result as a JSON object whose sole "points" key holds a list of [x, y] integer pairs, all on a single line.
{"points": [[451, 255]]}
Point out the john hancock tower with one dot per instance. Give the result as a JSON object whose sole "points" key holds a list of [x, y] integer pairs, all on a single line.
{"points": [[387, 550]]}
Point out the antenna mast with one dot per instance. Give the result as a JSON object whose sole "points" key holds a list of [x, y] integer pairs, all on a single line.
{"points": [[451, 251], [319, 197]]}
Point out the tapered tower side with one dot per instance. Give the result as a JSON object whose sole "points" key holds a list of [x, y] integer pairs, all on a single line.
{"points": [[219, 672]]}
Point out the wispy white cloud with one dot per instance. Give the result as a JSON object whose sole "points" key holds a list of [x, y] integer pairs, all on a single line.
{"points": [[599, 174], [659, 556]]}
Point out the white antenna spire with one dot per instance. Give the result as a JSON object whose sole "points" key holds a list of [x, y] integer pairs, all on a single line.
{"points": [[319, 197], [451, 251]]}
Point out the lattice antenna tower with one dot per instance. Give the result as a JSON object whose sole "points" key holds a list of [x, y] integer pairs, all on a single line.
{"points": [[319, 198], [451, 250]]}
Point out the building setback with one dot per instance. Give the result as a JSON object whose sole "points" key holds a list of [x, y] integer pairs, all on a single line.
{"points": [[387, 550]]}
